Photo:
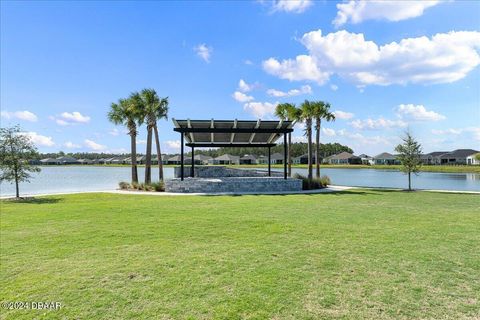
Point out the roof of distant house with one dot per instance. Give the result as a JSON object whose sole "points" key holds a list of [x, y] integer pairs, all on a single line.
{"points": [[363, 155], [459, 153], [343, 156], [385, 155], [227, 156], [248, 157]]}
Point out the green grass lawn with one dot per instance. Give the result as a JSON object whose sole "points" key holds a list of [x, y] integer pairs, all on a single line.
{"points": [[361, 254]]}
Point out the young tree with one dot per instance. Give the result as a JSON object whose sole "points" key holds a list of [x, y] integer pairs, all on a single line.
{"points": [[409, 155], [16, 149]]}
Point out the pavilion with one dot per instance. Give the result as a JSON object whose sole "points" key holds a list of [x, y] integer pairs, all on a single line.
{"points": [[232, 133]]}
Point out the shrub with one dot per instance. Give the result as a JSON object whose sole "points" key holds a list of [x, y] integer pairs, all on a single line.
{"points": [[135, 185], [158, 186], [124, 185], [315, 183]]}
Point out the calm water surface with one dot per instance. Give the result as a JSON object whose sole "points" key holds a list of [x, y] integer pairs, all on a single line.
{"points": [[57, 179]]}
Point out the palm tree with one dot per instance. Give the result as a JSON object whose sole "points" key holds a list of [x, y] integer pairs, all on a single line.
{"points": [[126, 112], [287, 111], [306, 114], [321, 111], [154, 109]]}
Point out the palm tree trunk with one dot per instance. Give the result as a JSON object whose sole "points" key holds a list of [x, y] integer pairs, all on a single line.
{"points": [[133, 157], [409, 182], [309, 137], [17, 191], [317, 148], [159, 154], [148, 161], [290, 154]]}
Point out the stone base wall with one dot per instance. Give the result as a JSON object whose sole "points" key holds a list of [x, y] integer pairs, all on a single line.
{"points": [[233, 184], [221, 171]]}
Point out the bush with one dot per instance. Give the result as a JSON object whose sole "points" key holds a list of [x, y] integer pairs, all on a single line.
{"points": [[124, 185], [313, 184], [158, 186]]}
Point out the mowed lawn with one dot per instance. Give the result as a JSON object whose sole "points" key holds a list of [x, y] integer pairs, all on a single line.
{"points": [[361, 254]]}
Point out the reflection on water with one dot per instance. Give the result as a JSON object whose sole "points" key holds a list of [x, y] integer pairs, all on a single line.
{"points": [[58, 179]]}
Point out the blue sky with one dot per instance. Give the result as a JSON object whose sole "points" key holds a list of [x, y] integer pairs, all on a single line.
{"points": [[384, 67]]}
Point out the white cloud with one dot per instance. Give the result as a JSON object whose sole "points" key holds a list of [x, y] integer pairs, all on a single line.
{"points": [[358, 11], [22, 115], [71, 145], [443, 58], [375, 124], [260, 109], [75, 117], [241, 97], [93, 145], [290, 93], [140, 141], [172, 146], [302, 68], [114, 132], [334, 87], [343, 115], [328, 132], [474, 131], [247, 87], [294, 6], [248, 62], [203, 51], [40, 140], [418, 113]]}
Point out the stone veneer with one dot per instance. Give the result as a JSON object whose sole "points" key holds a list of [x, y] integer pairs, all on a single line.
{"points": [[221, 171], [233, 185]]}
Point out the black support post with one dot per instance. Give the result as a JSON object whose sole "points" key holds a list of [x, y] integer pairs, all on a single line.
{"points": [[269, 162], [285, 156], [181, 156], [193, 163]]}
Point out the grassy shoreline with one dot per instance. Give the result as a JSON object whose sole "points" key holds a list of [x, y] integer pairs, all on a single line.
{"points": [[363, 254], [439, 168]]}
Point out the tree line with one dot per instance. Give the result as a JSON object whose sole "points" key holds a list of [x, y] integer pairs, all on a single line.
{"points": [[296, 149]]}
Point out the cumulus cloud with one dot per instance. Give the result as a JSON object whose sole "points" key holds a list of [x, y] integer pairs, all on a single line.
{"points": [[418, 113], [290, 93], [241, 97], [114, 132], [75, 117], [293, 6], [442, 58], [93, 145], [343, 115], [260, 109], [172, 146], [358, 11], [203, 51], [376, 124], [71, 145], [329, 132], [141, 141], [334, 87], [21, 115], [40, 140], [473, 131], [302, 68]]}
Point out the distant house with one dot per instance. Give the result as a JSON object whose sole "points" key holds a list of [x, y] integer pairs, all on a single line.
{"points": [[174, 160], [202, 159], [344, 158], [472, 160], [49, 161], [67, 160], [248, 159], [458, 156], [432, 157], [276, 158], [386, 158], [85, 161], [225, 159], [366, 159], [303, 159], [99, 161], [262, 160]]}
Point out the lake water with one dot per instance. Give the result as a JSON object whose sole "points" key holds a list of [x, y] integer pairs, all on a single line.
{"points": [[57, 179]]}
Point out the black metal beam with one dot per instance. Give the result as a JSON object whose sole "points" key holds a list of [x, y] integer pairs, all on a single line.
{"points": [[285, 156], [233, 130], [181, 156], [232, 145], [192, 173], [269, 162]]}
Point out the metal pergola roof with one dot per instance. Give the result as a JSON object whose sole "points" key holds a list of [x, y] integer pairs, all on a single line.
{"points": [[232, 133]]}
